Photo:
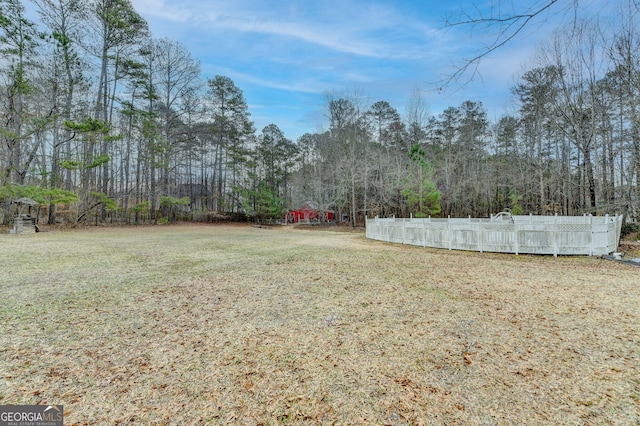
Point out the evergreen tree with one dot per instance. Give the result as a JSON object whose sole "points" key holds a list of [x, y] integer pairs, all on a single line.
{"points": [[423, 199]]}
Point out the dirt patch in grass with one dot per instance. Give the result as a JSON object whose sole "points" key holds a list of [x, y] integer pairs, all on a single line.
{"points": [[198, 324]]}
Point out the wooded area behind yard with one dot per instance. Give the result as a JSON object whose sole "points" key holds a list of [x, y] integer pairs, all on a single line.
{"points": [[103, 122]]}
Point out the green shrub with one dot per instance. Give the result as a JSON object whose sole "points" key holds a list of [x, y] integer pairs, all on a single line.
{"points": [[629, 228]]}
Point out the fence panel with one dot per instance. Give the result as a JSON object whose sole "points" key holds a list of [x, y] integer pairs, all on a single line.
{"points": [[557, 235]]}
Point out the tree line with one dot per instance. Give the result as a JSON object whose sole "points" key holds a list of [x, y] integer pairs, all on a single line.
{"points": [[101, 121]]}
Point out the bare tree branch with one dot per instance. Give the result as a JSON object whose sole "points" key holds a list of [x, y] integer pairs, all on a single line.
{"points": [[509, 25]]}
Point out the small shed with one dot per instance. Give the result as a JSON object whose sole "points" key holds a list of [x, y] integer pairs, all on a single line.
{"points": [[23, 222], [308, 213]]}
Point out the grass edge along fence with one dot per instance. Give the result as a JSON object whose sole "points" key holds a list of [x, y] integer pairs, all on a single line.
{"points": [[505, 233]]}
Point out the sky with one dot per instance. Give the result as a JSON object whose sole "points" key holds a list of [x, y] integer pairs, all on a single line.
{"points": [[287, 56]]}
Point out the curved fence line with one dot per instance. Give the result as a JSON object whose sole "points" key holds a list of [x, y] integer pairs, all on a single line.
{"points": [[556, 235]]}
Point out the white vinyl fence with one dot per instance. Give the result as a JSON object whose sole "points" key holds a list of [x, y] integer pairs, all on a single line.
{"points": [[504, 233]]}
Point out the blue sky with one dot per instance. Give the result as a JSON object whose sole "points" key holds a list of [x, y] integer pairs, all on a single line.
{"points": [[287, 55]]}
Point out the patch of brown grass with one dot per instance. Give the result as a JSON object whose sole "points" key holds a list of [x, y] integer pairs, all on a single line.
{"points": [[198, 324]]}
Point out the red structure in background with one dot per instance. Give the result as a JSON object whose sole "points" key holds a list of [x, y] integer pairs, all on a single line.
{"points": [[308, 213]]}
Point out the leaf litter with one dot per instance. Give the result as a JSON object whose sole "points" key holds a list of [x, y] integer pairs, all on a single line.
{"points": [[199, 324]]}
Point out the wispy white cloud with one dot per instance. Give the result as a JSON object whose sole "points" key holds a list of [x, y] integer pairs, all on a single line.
{"points": [[161, 9], [347, 26], [308, 85], [336, 40]]}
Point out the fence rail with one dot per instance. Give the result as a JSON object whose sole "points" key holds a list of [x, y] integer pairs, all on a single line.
{"points": [[556, 235]]}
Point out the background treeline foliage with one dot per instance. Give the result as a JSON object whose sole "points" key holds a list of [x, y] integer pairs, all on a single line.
{"points": [[103, 122]]}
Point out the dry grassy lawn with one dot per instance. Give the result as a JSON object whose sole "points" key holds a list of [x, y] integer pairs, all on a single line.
{"points": [[195, 324]]}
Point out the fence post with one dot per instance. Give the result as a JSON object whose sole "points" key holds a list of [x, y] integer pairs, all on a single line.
{"points": [[606, 220], [449, 230], [555, 237], [404, 230], [424, 233], [516, 239], [591, 243], [618, 228], [389, 229]]}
